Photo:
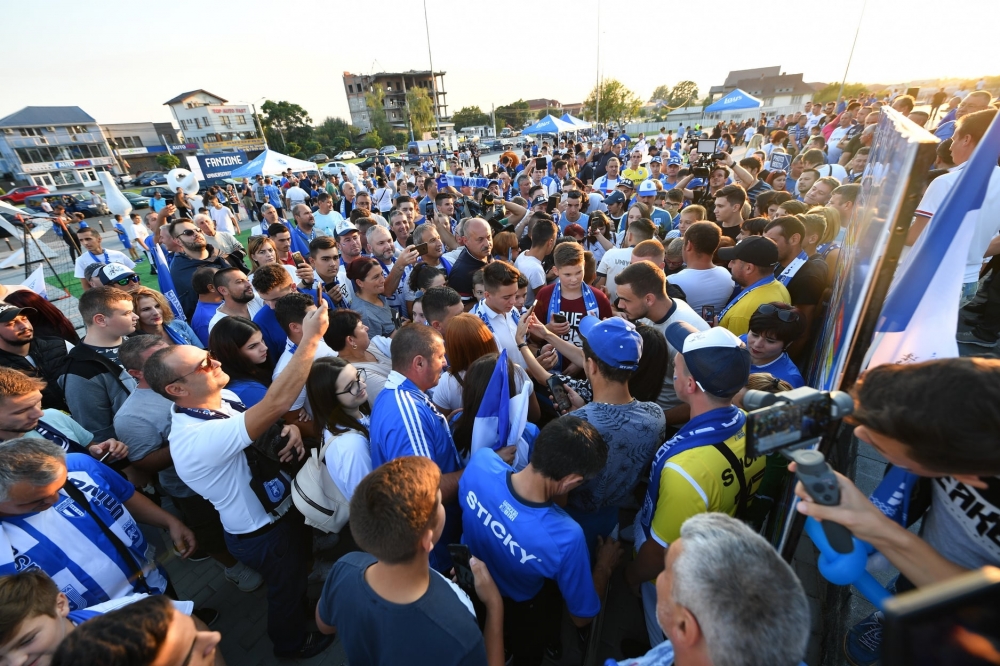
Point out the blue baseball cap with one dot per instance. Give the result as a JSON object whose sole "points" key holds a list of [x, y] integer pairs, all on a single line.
{"points": [[615, 197], [655, 159], [717, 359], [674, 159], [697, 182], [613, 340]]}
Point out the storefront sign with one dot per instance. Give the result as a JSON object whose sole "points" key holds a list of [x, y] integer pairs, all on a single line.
{"points": [[221, 165]]}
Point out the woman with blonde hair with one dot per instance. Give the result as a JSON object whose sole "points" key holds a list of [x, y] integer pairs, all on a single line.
{"points": [[263, 251], [466, 340], [156, 318]]}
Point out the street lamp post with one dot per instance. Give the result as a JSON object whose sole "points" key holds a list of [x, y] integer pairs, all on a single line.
{"points": [[253, 105]]}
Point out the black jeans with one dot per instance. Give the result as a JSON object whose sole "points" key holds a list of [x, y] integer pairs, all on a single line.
{"points": [[988, 327], [281, 558], [533, 625]]}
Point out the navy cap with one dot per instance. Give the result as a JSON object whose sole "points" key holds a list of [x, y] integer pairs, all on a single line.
{"points": [[540, 199], [614, 197], [10, 312], [756, 250], [716, 358], [626, 182], [613, 340]]}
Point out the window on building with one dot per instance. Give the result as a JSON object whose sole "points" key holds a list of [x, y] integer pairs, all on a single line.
{"points": [[77, 129], [197, 123], [30, 131], [63, 178], [796, 99], [241, 120], [137, 142], [768, 101], [205, 121], [350, 87]]}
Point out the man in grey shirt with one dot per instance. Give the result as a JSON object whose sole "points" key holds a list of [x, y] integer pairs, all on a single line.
{"points": [[144, 421], [633, 430], [224, 241]]}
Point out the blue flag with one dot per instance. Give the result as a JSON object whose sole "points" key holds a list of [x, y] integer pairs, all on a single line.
{"points": [[492, 425], [299, 242], [920, 313], [459, 182], [166, 280]]}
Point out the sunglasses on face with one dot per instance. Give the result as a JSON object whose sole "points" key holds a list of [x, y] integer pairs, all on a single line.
{"points": [[783, 315], [205, 366], [124, 282], [189, 233]]}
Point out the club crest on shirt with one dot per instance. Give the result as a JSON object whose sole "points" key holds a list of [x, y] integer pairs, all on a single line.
{"points": [[68, 508], [275, 489], [132, 530]]}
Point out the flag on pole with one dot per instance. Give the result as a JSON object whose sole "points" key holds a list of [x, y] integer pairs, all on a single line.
{"points": [[166, 281], [919, 317], [492, 425], [36, 283]]}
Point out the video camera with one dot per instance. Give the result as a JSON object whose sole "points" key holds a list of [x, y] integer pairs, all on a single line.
{"points": [[793, 422], [703, 166]]}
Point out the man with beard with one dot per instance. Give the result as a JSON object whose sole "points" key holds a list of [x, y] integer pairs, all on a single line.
{"points": [[381, 245], [238, 298], [40, 357], [196, 253], [305, 224]]}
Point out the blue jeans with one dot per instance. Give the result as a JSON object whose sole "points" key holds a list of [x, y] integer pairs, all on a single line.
{"points": [[280, 557]]}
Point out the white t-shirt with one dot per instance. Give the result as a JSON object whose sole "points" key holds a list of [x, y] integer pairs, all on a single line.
{"points": [[137, 231], [748, 133], [532, 270], [348, 459], [223, 218], [295, 195], [680, 312], [813, 120], [253, 307], [103, 257], [835, 170], [322, 351], [208, 457], [612, 263], [713, 286]]}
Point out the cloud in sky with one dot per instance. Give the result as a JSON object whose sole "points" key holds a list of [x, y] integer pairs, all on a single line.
{"points": [[120, 61]]}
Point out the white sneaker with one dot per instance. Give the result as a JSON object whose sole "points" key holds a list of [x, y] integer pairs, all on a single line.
{"points": [[243, 577]]}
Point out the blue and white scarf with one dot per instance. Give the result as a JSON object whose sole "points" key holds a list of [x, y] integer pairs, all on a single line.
{"points": [[481, 310], [589, 300], [759, 283], [793, 267]]}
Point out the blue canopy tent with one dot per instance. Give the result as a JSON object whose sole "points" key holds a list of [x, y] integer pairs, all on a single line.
{"points": [[549, 125], [577, 122], [737, 100]]}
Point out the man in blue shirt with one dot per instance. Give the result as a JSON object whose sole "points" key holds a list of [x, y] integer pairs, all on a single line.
{"points": [[406, 423], [410, 614], [50, 503], [535, 552]]}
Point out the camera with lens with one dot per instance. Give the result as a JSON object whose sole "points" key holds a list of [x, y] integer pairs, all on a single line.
{"points": [[794, 419], [488, 199]]}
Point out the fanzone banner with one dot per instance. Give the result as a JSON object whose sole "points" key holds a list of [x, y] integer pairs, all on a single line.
{"points": [[220, 165]]}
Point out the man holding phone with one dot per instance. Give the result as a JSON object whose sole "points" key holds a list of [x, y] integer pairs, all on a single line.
{"points": [[381, 245]]}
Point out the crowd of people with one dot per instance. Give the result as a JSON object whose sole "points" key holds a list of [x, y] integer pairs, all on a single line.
{"points": [[475, 379]]}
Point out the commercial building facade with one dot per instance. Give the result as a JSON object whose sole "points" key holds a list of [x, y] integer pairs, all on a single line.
{"points": [[214, 124], [53, 146], [136, 145]]}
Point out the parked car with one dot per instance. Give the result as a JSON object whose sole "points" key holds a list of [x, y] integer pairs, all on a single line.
{"points": [[137, 201], [368, 152], [319, 157], [19, 194], [370, 162], [345, 155], [32, 219], [340, 168], [152, 178], [388, 150], [124, 179], [73, 202], [165, 192]]}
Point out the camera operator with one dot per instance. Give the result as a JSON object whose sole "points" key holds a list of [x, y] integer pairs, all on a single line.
{"points": [[936, 419], [699, 192]]}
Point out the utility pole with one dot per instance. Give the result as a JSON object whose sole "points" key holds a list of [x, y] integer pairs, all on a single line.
{"points": [[427, 29], [851, 56]]}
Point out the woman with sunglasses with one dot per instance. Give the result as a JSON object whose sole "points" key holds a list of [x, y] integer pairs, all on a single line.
{"points": [[773, 327], [348, 336], [238, 344], [156, 318], [338, 394], [368, 280]]}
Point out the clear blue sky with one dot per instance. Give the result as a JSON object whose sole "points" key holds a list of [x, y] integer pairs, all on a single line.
{"points": [[120, 61]]}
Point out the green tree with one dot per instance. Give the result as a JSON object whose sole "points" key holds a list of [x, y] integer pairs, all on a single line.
{"points": [[662, 93], [618, 103], [372, 140], [312, 147], [469, 116], [293, 149], [375, 99], [682, 94], [829, 93], [285, 122], [549, 110], [513, 115], [168, 161], [421, 111], [336, 134]]}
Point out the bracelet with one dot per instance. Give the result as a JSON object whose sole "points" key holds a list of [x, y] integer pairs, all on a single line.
{"points": [[523, 344]]}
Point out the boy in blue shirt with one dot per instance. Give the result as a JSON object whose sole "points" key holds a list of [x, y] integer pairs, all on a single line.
{"points": [[535, 552], [387, 604]]}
